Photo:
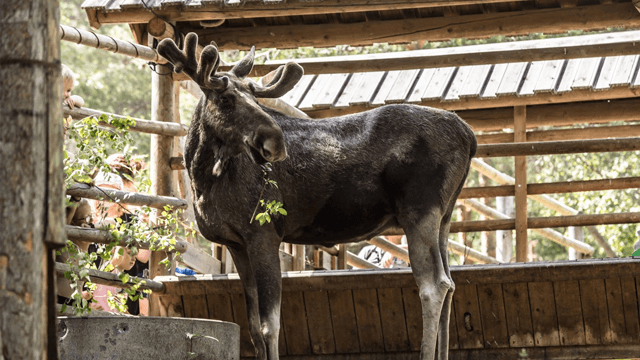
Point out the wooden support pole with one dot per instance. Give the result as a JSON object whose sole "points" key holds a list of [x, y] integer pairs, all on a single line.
{"points": [[470, 253], [504, 238], [359, 263], [299, 261], [342, 257], [76, 233], [125, 197], [144, 126], [162, 110], [520, 135]]}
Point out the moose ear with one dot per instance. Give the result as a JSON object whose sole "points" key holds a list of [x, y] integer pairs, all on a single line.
{"points": [[285, 78], [243, 68]]}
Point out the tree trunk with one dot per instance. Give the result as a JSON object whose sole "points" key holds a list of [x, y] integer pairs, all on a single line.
{"points": [[31, 178]]}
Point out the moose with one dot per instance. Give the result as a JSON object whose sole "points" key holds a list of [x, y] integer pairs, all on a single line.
{"points": [[340, 180]]}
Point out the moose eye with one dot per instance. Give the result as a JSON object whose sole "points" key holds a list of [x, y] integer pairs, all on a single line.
{"points": [[225, 101]]}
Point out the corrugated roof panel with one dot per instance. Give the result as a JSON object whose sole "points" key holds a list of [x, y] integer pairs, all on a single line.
{"points": [[512, 79], [457, 84], [549, 76], [603, 81], [586, 74], [475, 81], [401, 87], [624, 70], [497, 73], [385, 87], [94, 4], [133, 4], [570, 71], [314, 90], [439, 83], [327, 96], [294, 95], [421, 85], [352, 86], [113, 5], [531, 79], [367, 88], [173, 2]]}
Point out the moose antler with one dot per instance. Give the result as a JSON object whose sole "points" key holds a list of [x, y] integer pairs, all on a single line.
{"points": [[284, 80], [203, 72]]}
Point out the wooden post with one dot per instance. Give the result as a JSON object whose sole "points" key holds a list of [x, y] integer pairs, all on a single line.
{"points": [[504, 238], [575, 232], [298, 258], [464, 238], [488, 238], [32, 143], [520, 135], [162, 109], [342, 257]]}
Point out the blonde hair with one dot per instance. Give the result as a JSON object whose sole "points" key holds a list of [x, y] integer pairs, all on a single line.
{"points": [[67, 74]]}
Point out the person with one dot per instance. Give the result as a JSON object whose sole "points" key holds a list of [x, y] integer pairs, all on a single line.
{"points": [[121, 261], [377, 256], [68, 82]]}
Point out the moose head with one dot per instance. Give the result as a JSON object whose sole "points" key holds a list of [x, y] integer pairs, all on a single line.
{"points": [[229, 104]]}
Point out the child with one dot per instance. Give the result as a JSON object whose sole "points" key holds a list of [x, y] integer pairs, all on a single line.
{"points": [[68, 81], [120, 262]]}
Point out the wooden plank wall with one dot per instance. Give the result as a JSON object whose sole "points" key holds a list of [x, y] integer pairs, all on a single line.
{"points": [[588, 311]]}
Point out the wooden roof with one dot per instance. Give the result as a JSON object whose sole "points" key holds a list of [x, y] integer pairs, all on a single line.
{"points": [[470, 87], [294, 23]]}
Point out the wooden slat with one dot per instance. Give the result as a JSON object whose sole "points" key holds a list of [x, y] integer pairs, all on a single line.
{"points": [[630, 303], [492, 310], [616, 310], [319, 318], [282, 338], [350, 90], [569, 310], [512, 79], [368, 318], [518, 314], [220, 307], [421, 85], [468, 318], [239, 307], [402, 85], [570, 71], [595, 312], [543, 314], [367, 88], [195, 306], [413, 316], [586, 73], [603, 81], [531, 79], [625, 70], [385, 87], [394, 328], [439, 82], [549, 76], [475, 81], [454, 343], [295, 323], [311, 96], [327, 96], [497, 73], [458, 83], [294, 95], [343, 317]]}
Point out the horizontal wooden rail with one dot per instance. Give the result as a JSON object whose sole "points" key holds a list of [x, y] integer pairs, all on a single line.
{"points": [[545, 222], [144, 126], [552, 188], [89, 38], [358, 263], [177, 163], [77, 233], [470, 253], [589, 133], [111, 279], [390, 247], [621, 43], [559, 147], [125, 197]]}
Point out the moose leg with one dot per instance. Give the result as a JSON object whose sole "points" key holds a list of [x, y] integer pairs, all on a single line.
{"points": [[241, 260], [429, 272], [445, 315], [266, 269]]}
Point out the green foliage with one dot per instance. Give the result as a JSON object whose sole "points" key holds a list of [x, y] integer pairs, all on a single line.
{"points": [[273, 207]]}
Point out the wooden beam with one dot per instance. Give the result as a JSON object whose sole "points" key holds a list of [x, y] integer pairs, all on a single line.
{"points": [[559, 147], [508, 23], [544, 222], [77, 233], [144, 126], [520, 119], [552, 188], [111, 279], [596, 132], [255, 9], [125, 197]]}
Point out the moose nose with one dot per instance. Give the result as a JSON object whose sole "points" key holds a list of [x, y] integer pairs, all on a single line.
{"points": [[273, 150]]}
